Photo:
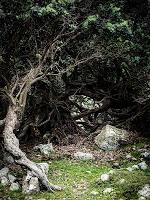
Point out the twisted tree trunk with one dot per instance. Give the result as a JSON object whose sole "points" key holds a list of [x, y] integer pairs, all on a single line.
{"points": [[18, 97], [11, 144]]}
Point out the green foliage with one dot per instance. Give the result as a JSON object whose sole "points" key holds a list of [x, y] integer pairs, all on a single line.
{"points": [[123, 25], [90, 20], [105, 28]]}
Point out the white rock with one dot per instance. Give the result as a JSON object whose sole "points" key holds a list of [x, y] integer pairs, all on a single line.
{"points": [[14, 186], [4, 181], [83, 156], [145, 191], [45, 149], [111, 171], [108, 190], [4, 171], [8, 158], [122, 181], [116, 164], [94, 193], [11, 178], [130, 169], [135, 167], [34, 185], [145, 154], [30, 183], [29, 175], [142, 198], [105, 177], [128, 156], [41, 199], [110, 137], [143, 165]]}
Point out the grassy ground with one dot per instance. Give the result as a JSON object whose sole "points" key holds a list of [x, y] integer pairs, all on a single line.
{"points": [[80, 178]]}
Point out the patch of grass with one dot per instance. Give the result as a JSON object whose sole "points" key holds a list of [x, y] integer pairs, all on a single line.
{"points": [[80, 178]]}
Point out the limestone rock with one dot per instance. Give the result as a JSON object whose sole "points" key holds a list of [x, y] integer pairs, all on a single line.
{"points": [[14, 186], [11, 178], [30, 183], [4, 171], [122, 181], [45, 149], [142, 198], [116, 165], [110, 138], [135, 167], [145, 191], [83, 156], [143, 165], [34, 185], [105, 177], [94, 193], [108, 190], [4, 181], [128, 156], [130, 169], [8, 158]]}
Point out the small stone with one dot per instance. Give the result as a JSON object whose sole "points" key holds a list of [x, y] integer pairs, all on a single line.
{"points": [[134, 148], [4, 171], [134, 159], [135, 167], [122, 181], [130, 169], [142, 198], [94, 193], [41, 199], [105, 177], [83, 156], [34, 185], [145, 191], [89, 172], [143, 165], [8, 158], [116, 164], [14, 186], [30, 183], [128, 156], [111, 172], [108, 190], [11, 178], [145, 154], [4, 181], [45, 149]]}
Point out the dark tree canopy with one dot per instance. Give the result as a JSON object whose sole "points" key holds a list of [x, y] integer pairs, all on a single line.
{"points": [[93, 52]]}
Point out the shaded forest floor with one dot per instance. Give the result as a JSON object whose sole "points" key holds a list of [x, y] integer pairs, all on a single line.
{"points": [[81, 179]]}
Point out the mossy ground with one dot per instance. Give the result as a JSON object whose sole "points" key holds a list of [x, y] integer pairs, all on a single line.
{"points": [[80, 178]]}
